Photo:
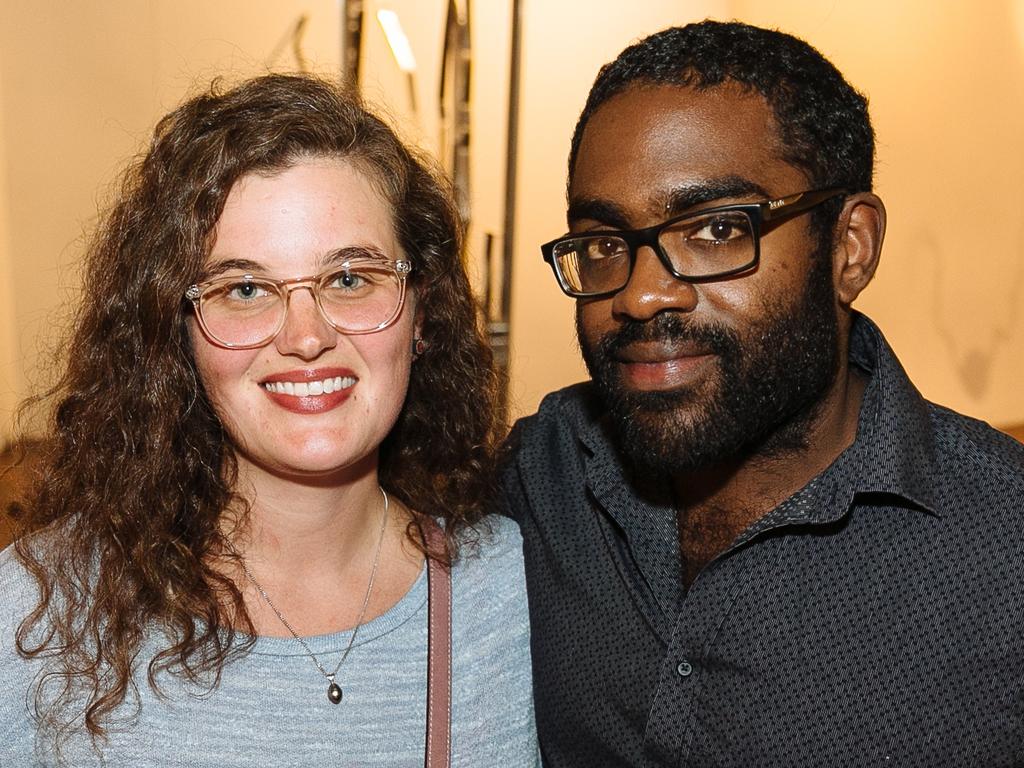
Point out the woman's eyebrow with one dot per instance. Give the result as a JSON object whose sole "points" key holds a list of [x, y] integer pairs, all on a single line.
{"points": [[352, 252], [220, 266], [330, 259]]}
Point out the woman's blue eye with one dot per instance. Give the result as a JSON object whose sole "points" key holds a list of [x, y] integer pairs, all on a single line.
{"points": [[349, 280], [246, 291]]}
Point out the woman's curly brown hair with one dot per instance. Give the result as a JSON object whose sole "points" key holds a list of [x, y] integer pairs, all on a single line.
{"points": [[140, 469]]}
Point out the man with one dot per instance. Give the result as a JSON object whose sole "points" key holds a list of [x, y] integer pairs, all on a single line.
{"points": [[749, 540]]}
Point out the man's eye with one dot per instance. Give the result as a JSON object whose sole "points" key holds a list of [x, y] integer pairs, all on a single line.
{"points": [[720, 229], [605, 247]]}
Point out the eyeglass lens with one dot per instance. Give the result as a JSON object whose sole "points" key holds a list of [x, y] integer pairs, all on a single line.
{"points": [[250, 310], [699, 246]]}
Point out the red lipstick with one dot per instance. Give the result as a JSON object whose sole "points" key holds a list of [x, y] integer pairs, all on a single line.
{"points": [[310, 391]]}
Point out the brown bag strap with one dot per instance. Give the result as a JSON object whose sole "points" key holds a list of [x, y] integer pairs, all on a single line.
{"points": [[439, 650]]}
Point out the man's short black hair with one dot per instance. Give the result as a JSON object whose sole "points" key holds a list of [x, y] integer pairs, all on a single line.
{"points": [[822, 120]]}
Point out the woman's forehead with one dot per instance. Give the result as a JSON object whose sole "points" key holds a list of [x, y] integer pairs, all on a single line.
{"points": [[302, 214]]}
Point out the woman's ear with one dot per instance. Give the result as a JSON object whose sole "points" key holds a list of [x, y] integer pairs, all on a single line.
{"points": [[861, 229], [419, 344]]}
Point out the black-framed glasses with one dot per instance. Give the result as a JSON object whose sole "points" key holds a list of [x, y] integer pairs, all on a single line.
{"points": [[356, 296], [701, 246]]}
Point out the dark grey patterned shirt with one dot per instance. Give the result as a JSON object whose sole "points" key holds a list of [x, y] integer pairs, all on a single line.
{"points": [[874, 618]]}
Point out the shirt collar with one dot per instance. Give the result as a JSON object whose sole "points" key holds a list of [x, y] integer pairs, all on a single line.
{"points": [[643, 511], [894, 453]]}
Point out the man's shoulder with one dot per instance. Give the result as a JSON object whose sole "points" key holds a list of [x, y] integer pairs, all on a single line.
{"points": [[977, 460], [977, 444], [544, 452], [565, 421], [576, 407]]}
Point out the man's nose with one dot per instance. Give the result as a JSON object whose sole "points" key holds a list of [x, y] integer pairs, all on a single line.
{"points": [[306, 334], [652, 289]]}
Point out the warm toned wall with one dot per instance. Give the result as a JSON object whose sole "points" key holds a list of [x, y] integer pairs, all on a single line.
{"points": [[81, 85], [73, 97], [10, 368]]}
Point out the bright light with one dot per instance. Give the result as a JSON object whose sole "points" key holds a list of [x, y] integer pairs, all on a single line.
{"points": [[397, 40], [1019, 13]]}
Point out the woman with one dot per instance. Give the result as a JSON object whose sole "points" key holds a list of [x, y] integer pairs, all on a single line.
{"points": [[276, 382]]}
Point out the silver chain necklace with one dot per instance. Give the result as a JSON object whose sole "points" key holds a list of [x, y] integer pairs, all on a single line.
{"points": [[334, 692]]}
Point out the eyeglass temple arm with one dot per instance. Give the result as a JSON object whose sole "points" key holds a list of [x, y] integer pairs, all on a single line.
{"points": [[785, 207]]}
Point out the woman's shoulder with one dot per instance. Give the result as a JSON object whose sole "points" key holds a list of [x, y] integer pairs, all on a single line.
{"points": [[491, 642], [492, 543], [488, 572], [17, 597], [19, 594], [15, 581]]}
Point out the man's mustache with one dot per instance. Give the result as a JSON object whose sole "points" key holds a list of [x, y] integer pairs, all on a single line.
{"points": [[669, 328]]}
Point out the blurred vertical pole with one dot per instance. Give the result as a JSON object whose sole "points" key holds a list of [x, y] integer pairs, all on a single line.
{"points": [[351, 41], [456, 71], [499, 328]]}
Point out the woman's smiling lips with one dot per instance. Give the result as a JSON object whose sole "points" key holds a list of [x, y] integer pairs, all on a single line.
{"points": [[659, 367], [310, 391]]}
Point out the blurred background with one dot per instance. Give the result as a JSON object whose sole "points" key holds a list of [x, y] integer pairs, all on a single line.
{"points": [[493, 88]]}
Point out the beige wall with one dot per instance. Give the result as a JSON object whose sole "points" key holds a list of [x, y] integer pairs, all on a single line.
{"points": [[10, 368], [67, 113], [81, 84]]}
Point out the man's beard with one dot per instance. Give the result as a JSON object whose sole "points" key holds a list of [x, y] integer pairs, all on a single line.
{"points": [[762, 401]]}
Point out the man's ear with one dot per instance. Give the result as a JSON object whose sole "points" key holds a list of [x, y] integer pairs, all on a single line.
{"points": [[860, 229]]}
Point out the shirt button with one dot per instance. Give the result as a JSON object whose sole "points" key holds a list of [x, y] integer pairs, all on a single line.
{"points": [[684, 668]]}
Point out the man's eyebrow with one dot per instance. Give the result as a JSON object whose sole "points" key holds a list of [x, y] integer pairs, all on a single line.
{"points": [[673, 203], [709, 193], [601, 211]]}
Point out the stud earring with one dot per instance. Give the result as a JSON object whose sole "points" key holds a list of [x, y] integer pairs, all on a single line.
{"points": [[419, 346]]}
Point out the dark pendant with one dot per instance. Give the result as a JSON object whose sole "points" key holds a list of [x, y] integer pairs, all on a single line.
{"points": [[334, 693]]}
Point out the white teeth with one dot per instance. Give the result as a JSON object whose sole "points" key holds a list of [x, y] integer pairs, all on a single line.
{"points": [[307, 388]]}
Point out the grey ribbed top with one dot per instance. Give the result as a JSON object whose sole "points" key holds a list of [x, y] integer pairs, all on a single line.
{"points": [[271, 706]]}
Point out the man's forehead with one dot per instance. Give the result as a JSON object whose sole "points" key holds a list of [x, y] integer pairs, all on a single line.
{"points": [[667, 98], [664, 147]]}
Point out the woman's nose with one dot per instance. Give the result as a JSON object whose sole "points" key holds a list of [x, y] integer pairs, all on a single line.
{"points": [[306, 334]]}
